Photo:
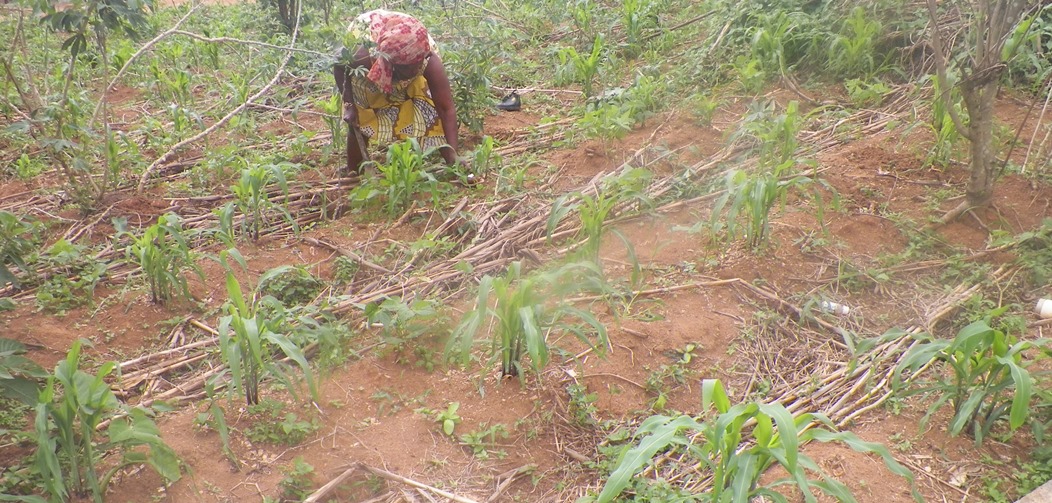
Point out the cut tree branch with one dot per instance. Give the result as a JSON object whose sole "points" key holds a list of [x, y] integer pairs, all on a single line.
{"points": [[127, 64], [178, 146]]}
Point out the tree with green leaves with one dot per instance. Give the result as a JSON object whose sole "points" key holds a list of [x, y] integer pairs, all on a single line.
{"points": [[978, 59]]}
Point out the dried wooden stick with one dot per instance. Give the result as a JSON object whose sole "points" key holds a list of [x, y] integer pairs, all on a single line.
{"points": [[332, 484], [349, 254]]}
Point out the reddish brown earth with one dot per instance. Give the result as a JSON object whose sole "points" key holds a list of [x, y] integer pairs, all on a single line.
{"points": [[876, 176]]}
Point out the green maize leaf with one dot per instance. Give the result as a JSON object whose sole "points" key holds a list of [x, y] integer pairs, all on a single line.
{"points": [[918, 357], [933, 408], [251, 335], [1000, 344], [763, 432], [798, 475], [47, 461], [662, 432], [969, 338], [966, 411], [237, 298], [858, 445], [745, 471], [1023, 392], [787, 432], [535, 343], [23, 499], [835, 489], [293, 351], [713, 394], [773, 496]]}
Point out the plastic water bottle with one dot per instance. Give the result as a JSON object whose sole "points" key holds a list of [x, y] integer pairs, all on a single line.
{"points": [[842, 310], [1044, 308]]}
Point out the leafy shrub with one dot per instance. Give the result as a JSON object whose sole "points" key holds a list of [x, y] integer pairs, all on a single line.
{"points": [[291, 285], [470, 60]]}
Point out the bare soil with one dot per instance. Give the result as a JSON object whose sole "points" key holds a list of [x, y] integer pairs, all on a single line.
{"points": [[366, 408]]}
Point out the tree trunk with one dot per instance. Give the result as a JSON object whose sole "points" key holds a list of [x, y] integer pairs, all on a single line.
{"points": [[979, 100]]}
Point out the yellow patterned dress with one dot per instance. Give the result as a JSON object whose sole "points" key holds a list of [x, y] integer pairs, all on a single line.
{"points": [[407, 112]]}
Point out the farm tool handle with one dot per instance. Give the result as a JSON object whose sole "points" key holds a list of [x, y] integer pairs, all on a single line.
{"points": [[360, 140]]}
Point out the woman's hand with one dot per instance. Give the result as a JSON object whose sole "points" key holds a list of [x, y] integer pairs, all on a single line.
{"points": [[350, 114]]}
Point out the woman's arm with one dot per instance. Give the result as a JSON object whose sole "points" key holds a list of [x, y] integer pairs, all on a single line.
{"points": [[442, 94]]}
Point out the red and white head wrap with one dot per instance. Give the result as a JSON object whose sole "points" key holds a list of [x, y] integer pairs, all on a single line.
{"points": [[400, 39]]}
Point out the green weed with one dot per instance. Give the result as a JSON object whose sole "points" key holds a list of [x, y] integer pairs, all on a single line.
{"points": [[448, 418], [18, 243], [73, 284], [470, 61], [659, 381], [344, 269], [865, 93], [582, 404], [269, 425], [297, 482], [404, 322], [26, 168], [484, 441], [291, 285]]}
